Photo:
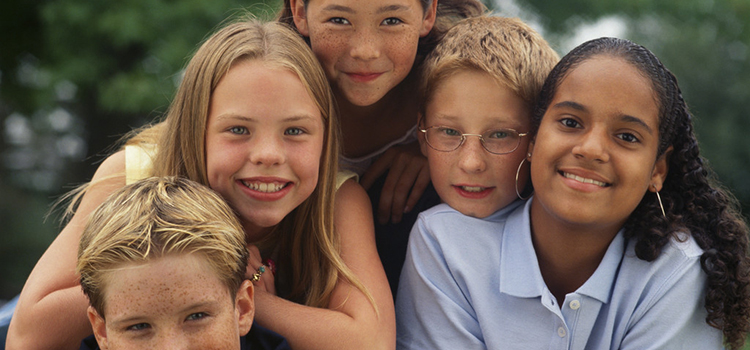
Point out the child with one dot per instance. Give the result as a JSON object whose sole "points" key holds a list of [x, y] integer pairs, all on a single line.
{"points": [[371, 52], [593, 260], [163, 263], [254, 120]]}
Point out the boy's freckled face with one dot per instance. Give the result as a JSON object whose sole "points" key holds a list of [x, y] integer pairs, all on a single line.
{"points": [[470, 179], [172, 302]]}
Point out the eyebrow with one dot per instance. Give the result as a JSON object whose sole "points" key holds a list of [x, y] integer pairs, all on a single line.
{"points": [[389, 8], [625, 117], [631, 119], [570, 104], [250, 119]]}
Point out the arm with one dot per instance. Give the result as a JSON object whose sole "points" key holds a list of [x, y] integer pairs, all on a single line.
{"points": [[51, 311], [432, 311], [408, 175], [350, 321]]}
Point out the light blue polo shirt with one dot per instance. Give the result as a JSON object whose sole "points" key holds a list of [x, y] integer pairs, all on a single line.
{"points": [[471, 283]]}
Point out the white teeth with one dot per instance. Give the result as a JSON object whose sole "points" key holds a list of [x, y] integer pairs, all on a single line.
{"points": [[584, 180], [263, 187], [472, 188]]}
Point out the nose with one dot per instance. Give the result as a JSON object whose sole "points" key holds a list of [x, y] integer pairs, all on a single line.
{"points": [[365, 44], [172, 339], [472, 155], [593, 146], [267, 151]]}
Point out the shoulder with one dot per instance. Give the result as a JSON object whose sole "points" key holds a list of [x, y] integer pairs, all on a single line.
{"points": [[260, 338], [676, 274], [442, 217]]}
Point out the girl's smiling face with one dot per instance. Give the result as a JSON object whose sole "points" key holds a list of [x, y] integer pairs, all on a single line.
{"points": [[264, 141], [595, 154], [366, 47]]}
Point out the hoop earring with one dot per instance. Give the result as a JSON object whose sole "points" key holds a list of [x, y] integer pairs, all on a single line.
{"points": [[660, 204], [518, 171]]}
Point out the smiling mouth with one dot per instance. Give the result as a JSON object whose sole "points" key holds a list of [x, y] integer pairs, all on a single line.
{"points": [[265, 186], [584, 180], [472, 188]]}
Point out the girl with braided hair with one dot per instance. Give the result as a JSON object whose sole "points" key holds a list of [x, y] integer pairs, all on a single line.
{"points": [[627, 243]]}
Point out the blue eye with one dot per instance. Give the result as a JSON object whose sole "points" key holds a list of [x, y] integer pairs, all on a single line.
{"points": [[498, 134], [392, 21], [196, 316], [239, 130], [138, 327], [294, 131], [449, 132]]}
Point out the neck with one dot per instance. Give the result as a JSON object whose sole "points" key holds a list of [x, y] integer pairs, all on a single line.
{"points": [[366, 129], [568, 253]]}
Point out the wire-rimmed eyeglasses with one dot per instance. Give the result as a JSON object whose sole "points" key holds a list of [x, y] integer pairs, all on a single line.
{"points": [[496, 141]]}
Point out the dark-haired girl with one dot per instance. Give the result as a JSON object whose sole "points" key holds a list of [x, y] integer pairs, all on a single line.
{"points": [[626, 244]]}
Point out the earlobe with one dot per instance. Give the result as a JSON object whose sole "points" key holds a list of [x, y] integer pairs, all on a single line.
{"points": [[661, 169], [299, 15], [99, 326], [430, 15], [420, 135], [245, 306]]}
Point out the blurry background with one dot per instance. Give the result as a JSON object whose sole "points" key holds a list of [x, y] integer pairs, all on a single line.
{"points": [[76, 75]]}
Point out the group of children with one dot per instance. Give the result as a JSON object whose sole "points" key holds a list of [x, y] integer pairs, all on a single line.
{"points": [[577, 212]]}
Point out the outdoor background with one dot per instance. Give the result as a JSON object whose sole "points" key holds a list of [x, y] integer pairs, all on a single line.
{"points": [[76, 75]]}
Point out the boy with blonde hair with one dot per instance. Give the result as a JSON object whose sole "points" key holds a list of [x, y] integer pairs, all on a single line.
{"points": [[480, 85], [162, 262]]}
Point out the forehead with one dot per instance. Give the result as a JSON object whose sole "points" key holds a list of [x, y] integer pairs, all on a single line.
{"points": [[162, 285], [363, 5], [610, 84]]}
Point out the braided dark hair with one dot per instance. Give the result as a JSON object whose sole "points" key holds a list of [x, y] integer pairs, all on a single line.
{"points": [[693, 200]]}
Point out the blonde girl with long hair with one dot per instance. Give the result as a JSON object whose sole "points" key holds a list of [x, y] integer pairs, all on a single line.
{"points": [[254, 120]]}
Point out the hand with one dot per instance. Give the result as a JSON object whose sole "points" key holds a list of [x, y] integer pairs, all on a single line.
{"points": [[266, 281], [408, 174]]}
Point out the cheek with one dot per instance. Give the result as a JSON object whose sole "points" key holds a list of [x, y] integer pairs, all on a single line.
{"points": [[326, 46]]}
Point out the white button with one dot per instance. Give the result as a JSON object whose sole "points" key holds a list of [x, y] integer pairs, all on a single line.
{"points": [[561, 332], [575, 304]]}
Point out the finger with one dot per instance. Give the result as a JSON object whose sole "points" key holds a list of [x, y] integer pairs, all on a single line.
{"points": [[387, 192], [377, 169], [403, 187], [423, 180]]}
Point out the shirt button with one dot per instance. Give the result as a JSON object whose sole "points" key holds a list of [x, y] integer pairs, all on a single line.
{"points": [[575, 304], [561, 332]]}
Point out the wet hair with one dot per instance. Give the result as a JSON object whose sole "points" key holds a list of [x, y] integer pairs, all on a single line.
{"points": [[448, 13], [156, 217], [693, 200], [506, 49]]}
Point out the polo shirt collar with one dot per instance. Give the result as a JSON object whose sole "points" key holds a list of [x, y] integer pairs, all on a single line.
{"points": [[520, 275]]}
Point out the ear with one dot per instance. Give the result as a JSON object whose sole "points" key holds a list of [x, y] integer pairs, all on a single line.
{"points": [[244, 306], [661, 169], [299, 15], [420, 135], [99, 326], [530, 150], [430, 15]]}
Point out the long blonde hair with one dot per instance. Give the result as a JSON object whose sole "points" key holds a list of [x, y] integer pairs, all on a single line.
{"points": [[306, 236]]}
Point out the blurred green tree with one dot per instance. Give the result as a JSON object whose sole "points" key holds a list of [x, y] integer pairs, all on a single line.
{"points": [[74, 77]]}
